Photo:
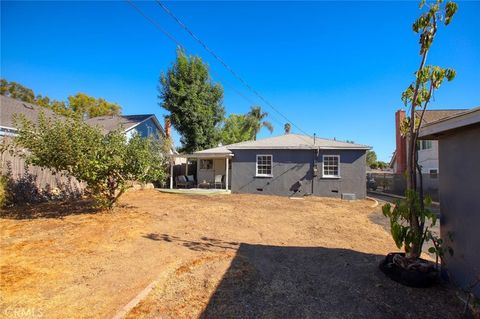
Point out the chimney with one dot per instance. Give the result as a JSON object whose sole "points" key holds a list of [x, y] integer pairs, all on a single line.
{"points": [[401, 143], [168, 127]]}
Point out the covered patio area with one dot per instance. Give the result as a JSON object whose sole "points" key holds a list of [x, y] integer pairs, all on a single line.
{"points": [[212, 172]]}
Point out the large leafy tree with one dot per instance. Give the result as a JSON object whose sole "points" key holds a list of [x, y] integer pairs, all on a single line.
{"points": [[371, 158], [82, 103], [408, 218], [76, 105], [236, 129], [194, 102], [107, 163], [256, 118]]}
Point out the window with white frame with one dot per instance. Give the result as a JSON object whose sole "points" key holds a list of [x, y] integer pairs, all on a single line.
{"points": [[264, 165], [424, 145], [206, 164], [331, 166]]}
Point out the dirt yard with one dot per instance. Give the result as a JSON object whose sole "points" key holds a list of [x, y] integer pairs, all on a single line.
{"points": [[223, 256]]}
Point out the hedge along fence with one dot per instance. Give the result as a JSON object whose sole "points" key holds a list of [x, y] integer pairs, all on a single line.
{"points": [[43, 180]]}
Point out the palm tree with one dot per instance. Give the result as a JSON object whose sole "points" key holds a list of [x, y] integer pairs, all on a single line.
{"points": [[255, 121]]}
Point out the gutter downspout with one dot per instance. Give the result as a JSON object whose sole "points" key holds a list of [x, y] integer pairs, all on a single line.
{"points": [[314, 163]]}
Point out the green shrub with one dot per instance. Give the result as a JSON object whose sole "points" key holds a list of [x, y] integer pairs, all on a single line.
{"points": [[105, 162], [3, 190]]}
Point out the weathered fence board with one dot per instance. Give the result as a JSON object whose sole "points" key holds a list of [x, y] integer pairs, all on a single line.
{"points": [[44, 178]]}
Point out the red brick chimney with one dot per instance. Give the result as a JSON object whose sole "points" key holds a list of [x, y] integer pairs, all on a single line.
{"points": [[401, 144], [168, 127]]}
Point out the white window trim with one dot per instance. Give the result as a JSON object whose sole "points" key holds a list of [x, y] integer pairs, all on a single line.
{"points": [[256, 166], [323, 167]]}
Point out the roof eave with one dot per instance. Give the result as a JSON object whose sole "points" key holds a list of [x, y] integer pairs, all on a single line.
{"points": [[202, 155], [302, 148], [433, 130]]}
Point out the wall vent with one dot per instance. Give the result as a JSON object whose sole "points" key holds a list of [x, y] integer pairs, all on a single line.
{"points": [[348, 196]]}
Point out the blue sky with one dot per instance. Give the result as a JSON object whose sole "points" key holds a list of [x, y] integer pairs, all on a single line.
{"points": [[336, 69]]}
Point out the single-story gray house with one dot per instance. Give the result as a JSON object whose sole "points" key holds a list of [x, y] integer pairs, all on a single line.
{"points": [[290, 165], [458, 139]]}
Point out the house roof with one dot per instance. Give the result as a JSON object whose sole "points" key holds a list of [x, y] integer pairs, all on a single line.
{"points": [[10, 106], [456, 121], [112, 122], [435, 115], [285, 142]]}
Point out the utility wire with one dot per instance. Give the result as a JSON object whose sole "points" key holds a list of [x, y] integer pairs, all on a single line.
{"points": [[235, 74], [179, 44], [157, 25]]}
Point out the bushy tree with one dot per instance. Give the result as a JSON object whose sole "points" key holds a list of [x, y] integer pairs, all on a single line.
{"points": [[371, 158], [82, 103], [382, 165], [107, 163], [194, 102], [77, 105], [411, 219], [236, 129]]}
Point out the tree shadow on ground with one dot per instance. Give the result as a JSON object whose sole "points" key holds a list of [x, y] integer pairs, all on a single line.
{"points": [[204, 244], [316, 282], [53, 209]]}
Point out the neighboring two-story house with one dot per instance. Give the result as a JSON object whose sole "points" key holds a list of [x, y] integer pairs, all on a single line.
{"points": [[428, 149], [146, 125]]}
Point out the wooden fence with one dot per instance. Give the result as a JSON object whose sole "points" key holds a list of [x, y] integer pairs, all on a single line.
{"points": [[16, 168]]}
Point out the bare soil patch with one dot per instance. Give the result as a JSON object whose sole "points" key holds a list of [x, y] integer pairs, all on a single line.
{"points": [[237, 256]]}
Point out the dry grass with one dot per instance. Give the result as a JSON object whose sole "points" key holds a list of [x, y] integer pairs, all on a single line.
{"points": [[215, 256]]}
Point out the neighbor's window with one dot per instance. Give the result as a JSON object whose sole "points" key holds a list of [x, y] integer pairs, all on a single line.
{"points": [[331, 166], [424, 145], [206, 164], [264, 165]]}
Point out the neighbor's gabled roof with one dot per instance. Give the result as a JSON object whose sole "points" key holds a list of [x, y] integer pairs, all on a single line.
{"points": [[126, 122], [431, 116], [286, 142], [9, 107]]}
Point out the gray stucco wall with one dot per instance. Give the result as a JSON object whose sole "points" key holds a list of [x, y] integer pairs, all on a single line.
{"points": [[459, 159], [293, 169]]}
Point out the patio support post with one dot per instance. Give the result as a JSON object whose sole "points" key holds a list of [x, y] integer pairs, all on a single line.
{"points": [[226, 173], [171, 173], [186, 166]]}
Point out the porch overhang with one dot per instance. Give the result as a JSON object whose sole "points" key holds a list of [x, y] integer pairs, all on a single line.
{"points": [[203, 155]]}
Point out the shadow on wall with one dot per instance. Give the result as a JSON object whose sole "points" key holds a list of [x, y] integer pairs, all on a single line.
{"points": [[294, 188], [315, 282]]}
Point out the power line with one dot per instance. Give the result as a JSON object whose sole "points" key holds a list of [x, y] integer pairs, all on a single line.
{"points": [[157, 25], [179, 44], [235, 74]]}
